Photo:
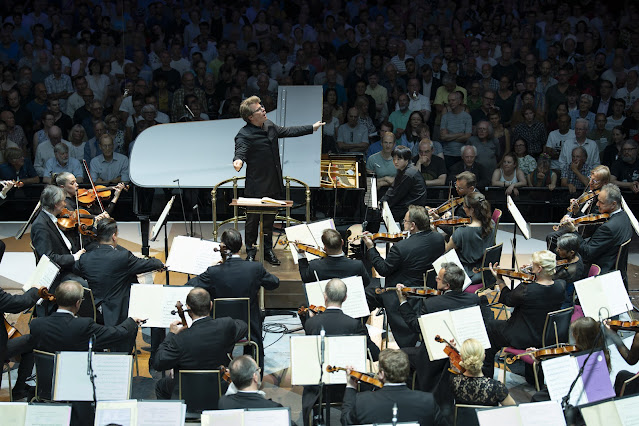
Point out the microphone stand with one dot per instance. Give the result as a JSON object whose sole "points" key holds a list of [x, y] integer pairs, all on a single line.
{"points": [[183, 211], [90, 371], [319, 419], [199, 220]]}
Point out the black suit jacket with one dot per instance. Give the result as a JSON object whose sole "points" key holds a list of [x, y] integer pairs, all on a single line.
{"points": [[203, 346], [110, 272], [63, 332], [332, 267], [337, 323], [47, 240], [238, 278], [245, 400], [408, 188], [603, 246], [377, 407], [13, 304], [483, 176]]}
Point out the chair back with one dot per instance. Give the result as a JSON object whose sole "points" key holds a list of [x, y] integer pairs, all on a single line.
{"points": [[621, 264], [594, 270], [496, 218], [87, 307], [491, 255], [35, 253], [557, 327], [465, 415], [429, 279], [44, 364], [200, 389], [234, 307]]}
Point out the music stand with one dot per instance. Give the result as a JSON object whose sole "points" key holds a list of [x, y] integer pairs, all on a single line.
{"points": [[519, 222], [158, 226]]}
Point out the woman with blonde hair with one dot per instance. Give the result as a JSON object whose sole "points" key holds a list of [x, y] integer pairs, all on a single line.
{"points": [[472, 387]]}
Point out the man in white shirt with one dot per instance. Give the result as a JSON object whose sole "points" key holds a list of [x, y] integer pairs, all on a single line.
{"points": [[418, 102], [581, 129], [556, 140], [630, 92]]}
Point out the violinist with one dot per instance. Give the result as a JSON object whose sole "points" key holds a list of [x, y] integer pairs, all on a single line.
{"points": [[472, 240], [202, 346], [69, 183], [377, 407], [631, 356], [334, 265], [472, 387], [464, 184], [573, 269], [245, 375], [531, 302], [406, 262]]}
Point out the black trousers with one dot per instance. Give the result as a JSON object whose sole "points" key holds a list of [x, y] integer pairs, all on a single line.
{"points": [[253, 228], [21, 346], [497, 341]]}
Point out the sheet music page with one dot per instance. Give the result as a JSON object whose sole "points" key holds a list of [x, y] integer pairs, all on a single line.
{"points": [[342, 351], [48, 415], [158, 225], [44, 274], [451, 256], [596, 378], [193, 256], [468, 324], [627, 409], [374, 203], [355, 305], [604, 414], [631, 215], [437, 323], [13, 413], [560, 373], [222, 417], [618, 300], [112, 376], [389, 220], [499, 416], [305, 360], [315, 293], [617, 363], [603, 291], [523, 226], [116, 412], [542, 414], [309, 234], [155, 303], [160, 413], [267, 416]]}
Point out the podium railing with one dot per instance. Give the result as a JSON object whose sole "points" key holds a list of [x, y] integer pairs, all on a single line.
{"points": [[237, 217]]}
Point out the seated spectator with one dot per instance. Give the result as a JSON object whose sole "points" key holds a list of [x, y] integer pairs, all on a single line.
{"points": [[180, 97], [617, 117], [329, 130], [15, 133], [525, 161], [613, 151], [509, 175], [109, 167], [38, 105], [528, 100], [42, 135], [92, 147], [562, 109], [195, 106], [410, 137], [399, 118], [376, 146], [625, 171], [424, 133], [599, 134], [61, 162], [532, 130], [499, 130], [77, 140], [18, 167], [45, 149], [330, 95], [468, 164], [63, 121], [381, 164], [417, 101], [557, 139], [581, 129], [5, 142], [352, 136], [97, 81], [543, 175], [631, 122], [583, 111], [576, 175], [361, 104], [486, 144], [432, 168], [487, 103]]}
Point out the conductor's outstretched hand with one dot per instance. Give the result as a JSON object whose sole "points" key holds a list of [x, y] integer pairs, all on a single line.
{"points": [[237, 164], [317, 125]]}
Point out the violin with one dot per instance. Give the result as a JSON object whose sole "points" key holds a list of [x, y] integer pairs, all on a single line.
{"points": [[545, 353], [510, 273], [303, 310], [88, 196], [362, 377], [12, 332], [68, 220], [624, 325], [385, 237], [453, 355], [573, 208], [411, 291], [224, 252], [310, 249], [448, 205], [452, 222], [226, 374], [180, 311], [44, 294], [16, 183], [587, 220]]}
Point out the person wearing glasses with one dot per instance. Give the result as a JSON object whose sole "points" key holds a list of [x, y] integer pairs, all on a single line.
{"points": [[432, 168], [257, 145], [625, 171]]}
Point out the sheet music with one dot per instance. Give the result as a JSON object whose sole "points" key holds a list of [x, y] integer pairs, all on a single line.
{"points": [[617, 363], [113, 376], [389, 220], [604, 414], [222, 417], [451, 256], [499, 416], [309, 234], [627, 409], [155, 303], [160, 413], [603, 291], [519, 219], [631, 215], [44, 274], [191, 255], [267, 416], [13, 413], [355, 305], [305, 357], [469, 323], [560, 373], [48, 415], [122, 413], [343, 351], [542, 414]]}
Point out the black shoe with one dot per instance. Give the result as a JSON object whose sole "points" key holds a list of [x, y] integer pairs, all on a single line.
{"points": [[250, 256], [22, 392], [270, 257]]}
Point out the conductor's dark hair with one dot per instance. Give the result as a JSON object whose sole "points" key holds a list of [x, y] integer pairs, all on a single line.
{"points": [[402, 152], [68, 293], [242, 369], [105, 229], [199, 301], [232, 239]]}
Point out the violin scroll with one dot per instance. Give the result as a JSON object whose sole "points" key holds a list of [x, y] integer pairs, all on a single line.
{"points": [[44, 294]]}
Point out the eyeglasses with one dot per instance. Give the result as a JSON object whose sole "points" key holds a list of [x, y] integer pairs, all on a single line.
{"points": [[260, 108], [407, 221]]}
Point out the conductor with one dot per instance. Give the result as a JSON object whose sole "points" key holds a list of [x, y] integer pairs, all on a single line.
{"points": [[256, 144]]}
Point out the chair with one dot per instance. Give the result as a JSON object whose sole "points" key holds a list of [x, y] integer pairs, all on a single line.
{"points": [[465, 415], [35, 253], [237, 308], [430, 279], [87, 307], [621, 264], [594, 270], [200, 389], [491, 255], [44, 364], [7, 364], [496, 218]]}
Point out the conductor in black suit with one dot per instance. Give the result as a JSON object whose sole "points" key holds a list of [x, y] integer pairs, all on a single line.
{"points": [[237, 278], [334, 265], [377, 407], [245, 375], [202, 346], [257, 145], [110, 269], [48, 239], [406, 262]]}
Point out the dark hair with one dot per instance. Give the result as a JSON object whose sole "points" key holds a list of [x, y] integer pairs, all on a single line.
{"points": [[332, 239], [199, 301], [402, 152], [232, 239], [105, 229], [419, 216], [481, 210], [395, 365]]}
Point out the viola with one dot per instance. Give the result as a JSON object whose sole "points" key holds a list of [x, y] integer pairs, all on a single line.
{"points": [[88, 196], [452, 222], [453, 355], [68, 220], [411, 291], [624, 325], [44, 294], [310, 249], [510, 273], [573, 208], [180, 312], [362, 377], [587, 220], [226, 374], [448, 205], [545, 353], [224, 252], [303, 310]]}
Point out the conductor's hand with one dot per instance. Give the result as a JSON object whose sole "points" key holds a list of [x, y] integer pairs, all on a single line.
{"points": [[176, 327], [400, 294], [317, 125], [237, 164]]}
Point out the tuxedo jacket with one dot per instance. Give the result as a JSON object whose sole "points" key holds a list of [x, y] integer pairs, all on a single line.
{"points": [[47, 240], [332, 267], [245, 400], [602, 247], [203, 346], [238, 278], [110, 272], [63, 332], [377, 407], [13, 304]]}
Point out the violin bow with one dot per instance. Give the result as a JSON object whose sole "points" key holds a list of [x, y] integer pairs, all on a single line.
{"points": [[77, 214], [86, 167]]}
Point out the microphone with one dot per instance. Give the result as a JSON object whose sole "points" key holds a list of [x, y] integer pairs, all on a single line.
{"points": [[90, 356], [322, 343], [394, 420]]}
